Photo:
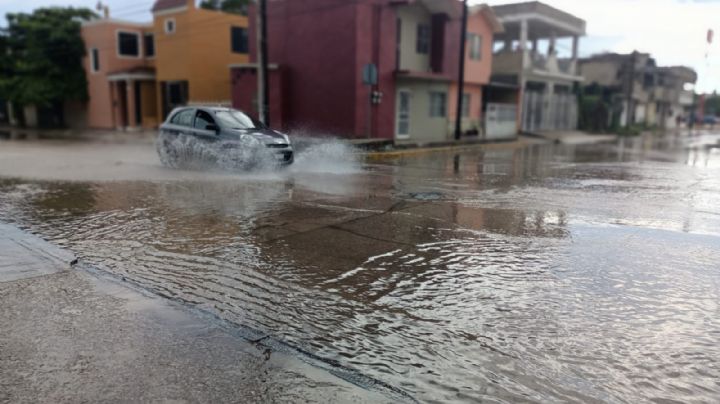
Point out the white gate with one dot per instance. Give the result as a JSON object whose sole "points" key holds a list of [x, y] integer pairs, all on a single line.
{"points": [[500, 121]]}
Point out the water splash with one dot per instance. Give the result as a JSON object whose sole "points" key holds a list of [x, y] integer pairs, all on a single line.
{"points": [[325, 155], [312, 155], [245, 154]]}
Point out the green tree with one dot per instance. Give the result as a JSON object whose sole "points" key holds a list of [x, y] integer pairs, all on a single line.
{"points": [[5, 64], [229, 6], [43, 57]]}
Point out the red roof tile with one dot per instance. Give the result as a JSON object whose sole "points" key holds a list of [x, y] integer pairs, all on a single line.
{"points": [[166, 4]]}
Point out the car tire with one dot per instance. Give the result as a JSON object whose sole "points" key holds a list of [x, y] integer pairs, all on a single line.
{"points": [[169, 155]]}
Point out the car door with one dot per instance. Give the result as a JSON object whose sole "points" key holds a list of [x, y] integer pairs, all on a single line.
{"points": [[180, 123], [204, 127], [206, 130]]}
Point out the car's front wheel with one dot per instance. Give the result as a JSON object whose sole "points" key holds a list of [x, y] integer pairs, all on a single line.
{"points": [[168, 153]]}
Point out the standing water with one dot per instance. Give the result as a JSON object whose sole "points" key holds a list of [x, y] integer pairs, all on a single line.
{"points": [[544, 273]]}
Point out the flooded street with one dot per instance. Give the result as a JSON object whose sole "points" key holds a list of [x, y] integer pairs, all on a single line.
{"points": [[537, 273]]}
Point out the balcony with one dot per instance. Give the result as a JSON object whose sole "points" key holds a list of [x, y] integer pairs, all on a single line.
{"points": [[511, 62]]}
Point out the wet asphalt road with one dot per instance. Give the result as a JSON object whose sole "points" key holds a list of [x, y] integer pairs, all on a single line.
{"points": [[511, 274]]}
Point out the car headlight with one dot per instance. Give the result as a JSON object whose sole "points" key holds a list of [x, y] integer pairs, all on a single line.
{"points": [[286, 137], [251, 141]]}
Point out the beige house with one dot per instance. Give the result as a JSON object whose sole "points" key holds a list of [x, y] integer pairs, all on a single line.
{"points": [[546, 81], [641, 93], [422, 77]]}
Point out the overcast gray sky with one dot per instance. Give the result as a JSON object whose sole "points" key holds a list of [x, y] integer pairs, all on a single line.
{"points": [[673, 31]]}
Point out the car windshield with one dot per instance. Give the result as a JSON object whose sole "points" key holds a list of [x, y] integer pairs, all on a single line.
{"points": [[237, 120]]}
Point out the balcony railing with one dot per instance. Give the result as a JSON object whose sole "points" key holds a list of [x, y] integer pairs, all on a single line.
{"points": [[512, 62]]}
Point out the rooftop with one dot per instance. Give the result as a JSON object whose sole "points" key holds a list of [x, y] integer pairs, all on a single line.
{"points": [[489, 15], [543, 21], [168, 4]]}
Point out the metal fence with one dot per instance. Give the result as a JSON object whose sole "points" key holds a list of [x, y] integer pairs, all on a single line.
{"points": [[543, 112]]}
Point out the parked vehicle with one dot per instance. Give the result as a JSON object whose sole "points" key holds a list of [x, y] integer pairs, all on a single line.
{"points": [[222, 137]]}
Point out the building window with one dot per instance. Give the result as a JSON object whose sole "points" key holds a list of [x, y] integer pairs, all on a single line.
{"points": [[422, 45], [438, 104], [128, 44], [149, 45], [95, 60], [475, 44], [239, 40], [170, 26], [466, 105]]}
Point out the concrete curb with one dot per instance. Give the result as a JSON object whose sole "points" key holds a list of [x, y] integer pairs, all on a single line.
{"points": [[410, 152]]}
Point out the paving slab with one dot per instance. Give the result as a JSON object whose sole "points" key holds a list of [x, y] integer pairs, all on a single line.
{"points": [[71, 335]]}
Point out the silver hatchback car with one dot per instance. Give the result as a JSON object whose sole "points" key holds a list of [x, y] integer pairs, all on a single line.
{"points": [[222, 137]]}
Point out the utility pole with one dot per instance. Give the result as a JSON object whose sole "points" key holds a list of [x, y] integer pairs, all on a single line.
{"points": [[262, 56], [461, 72]]}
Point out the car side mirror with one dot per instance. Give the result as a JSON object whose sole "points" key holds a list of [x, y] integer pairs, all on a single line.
{"points": [[212, 127]]}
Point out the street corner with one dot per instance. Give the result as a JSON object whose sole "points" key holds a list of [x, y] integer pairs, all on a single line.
{"points": [[23, 255]]}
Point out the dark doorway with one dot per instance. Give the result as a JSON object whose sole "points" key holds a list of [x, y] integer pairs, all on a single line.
{"points": [[122, 100], [174, 94]]}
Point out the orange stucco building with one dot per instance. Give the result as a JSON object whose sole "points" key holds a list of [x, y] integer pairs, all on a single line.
{"points": [[120, 74], [138, 72]]}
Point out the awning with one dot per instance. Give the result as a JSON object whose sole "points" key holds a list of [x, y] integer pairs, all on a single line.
{"points": [[135, 73]]}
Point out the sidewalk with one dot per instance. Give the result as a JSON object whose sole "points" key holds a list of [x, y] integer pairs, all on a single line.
{"points": [[85, 135], [68, 335]]}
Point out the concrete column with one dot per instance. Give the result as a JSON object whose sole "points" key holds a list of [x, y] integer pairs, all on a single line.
{"points": [[132, 118], [573, 62], [523, 43], [575, 45], [549, 115], [551, 47]]}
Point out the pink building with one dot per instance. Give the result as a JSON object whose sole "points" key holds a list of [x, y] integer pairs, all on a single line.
{"points": [[319, 48], [482, 25]]}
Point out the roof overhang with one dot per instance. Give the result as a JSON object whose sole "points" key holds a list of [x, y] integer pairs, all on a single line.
{"points": [[499, 84], [543, 21], [167, 11], [252, 66], [131, 76], [451, 8], [487, 12], [101, 21], [409, 74]]}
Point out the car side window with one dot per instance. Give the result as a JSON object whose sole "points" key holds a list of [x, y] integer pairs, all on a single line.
{"points": [[184, 117], [203, 119]]}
